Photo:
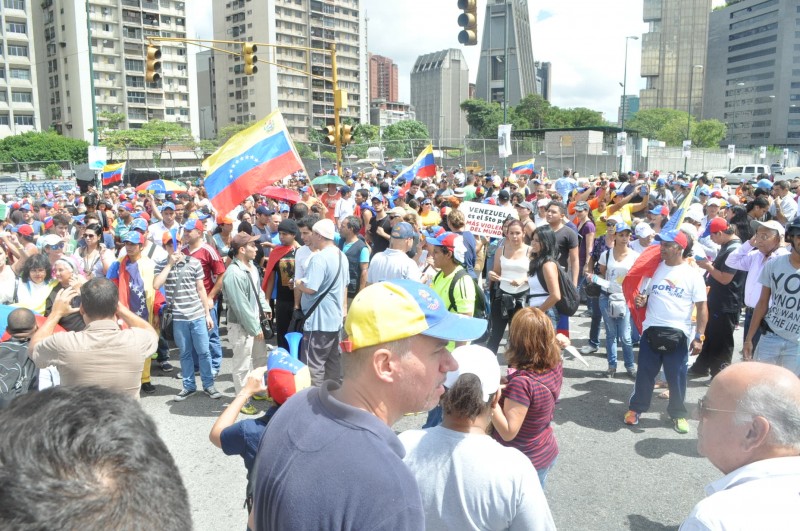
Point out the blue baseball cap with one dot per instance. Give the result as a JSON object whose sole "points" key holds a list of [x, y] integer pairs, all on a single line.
{"points": [[193, 224], [139, 224], [398, 309], [402, 230], [621, 226], [764, 184], [133, 237], [673, 236], [283, 207], [168, 204], [704, 190]]}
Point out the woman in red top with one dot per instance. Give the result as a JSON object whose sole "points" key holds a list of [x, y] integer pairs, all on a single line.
{"points": [[522, 417]]}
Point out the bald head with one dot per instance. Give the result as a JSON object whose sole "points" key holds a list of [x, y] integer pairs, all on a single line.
{"points": [[21, 323], [750, 413]]}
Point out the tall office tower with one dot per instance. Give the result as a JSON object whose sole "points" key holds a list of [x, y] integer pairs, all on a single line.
{"points": [[205, 93], [506, 26], [382, 79], [439, 83], [674, 54], [631, 105], [306, 102], [19, 105], [544, 79], [116, 75], [753, 73]]}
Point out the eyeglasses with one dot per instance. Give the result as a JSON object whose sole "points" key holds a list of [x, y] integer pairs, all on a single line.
{"points": [[56, 246], [702, 408], [763, 237]]}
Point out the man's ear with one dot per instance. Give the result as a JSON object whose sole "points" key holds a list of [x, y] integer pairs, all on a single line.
{"points": [[757, 433], [384, 365]]}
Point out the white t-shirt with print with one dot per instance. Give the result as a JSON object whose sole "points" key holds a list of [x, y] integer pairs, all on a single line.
{"points": [[616, 271], [673, 291]]}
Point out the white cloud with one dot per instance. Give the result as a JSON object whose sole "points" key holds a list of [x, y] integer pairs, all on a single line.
{"points": [[583, 39]]}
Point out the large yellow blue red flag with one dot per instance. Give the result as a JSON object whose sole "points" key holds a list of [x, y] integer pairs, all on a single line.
{"points": [[424, 166], [112, 173], [250, 161], [524, 167]]}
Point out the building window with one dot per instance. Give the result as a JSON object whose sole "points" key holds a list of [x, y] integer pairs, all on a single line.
{"points": [[136, 97], [21, 97], [15, 4], [17, 50], [23, 119], [16, 27], [134, 65], [20, 73], [3, 95], [4, 119]]}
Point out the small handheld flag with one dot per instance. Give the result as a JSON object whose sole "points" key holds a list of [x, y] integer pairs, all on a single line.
{"points": [[112, 173], [525, 167], [424, 166]]}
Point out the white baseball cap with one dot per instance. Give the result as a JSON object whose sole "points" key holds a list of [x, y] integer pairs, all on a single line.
{"points": [[644, 230], [480, 361]]}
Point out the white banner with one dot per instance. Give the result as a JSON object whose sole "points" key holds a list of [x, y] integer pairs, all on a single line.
{"points": [[731, 151], [687, 149], [785, 154], [645, 146], [97, 157], [762, 152], [484, 220], [622, 144], [504, 140]]}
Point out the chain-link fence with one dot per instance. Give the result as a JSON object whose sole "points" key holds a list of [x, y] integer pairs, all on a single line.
{"points": [[552, 157], [39, 170]]}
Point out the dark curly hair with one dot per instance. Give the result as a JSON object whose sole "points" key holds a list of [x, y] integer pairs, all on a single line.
{"points": [[36, 261]]}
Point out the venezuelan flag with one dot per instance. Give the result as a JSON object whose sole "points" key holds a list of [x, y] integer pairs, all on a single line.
{"points": [[250, 161], [424, 166], [677, 218], [523, 168], [112, 173]]}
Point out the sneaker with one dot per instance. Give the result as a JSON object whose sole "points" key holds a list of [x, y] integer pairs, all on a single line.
{"points": [[166, 366], [610, 372], [680, 425], [632, 418], [184, 394], [148, 388], [631, 372], [588, 349], [249, 409], [260, 397], [212, 392]]}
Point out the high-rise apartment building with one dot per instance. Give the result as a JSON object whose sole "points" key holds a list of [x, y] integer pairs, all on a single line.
{"points": [[116, 75], [19, 110], [306, 102], [506, 25], [753, 73], [674, 54], [629, 105], [382, 78], [439, 83], [205, 93]]}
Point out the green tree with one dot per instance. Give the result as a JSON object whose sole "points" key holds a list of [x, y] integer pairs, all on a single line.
{"points": [[650, 123], [401, 133], [225, 133], [42, 146], [709, 133], [53, 171], [535, 110], [483, 117]]}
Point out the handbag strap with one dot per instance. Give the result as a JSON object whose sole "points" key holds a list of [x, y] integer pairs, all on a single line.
{"points": [[261, 313], [177, 280], [325, 293]]}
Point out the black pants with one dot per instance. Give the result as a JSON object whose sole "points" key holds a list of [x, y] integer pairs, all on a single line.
{"points": [[283, 315], [498, 323], [717, 350]]}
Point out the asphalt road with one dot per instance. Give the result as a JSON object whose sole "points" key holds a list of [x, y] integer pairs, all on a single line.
{"points": [[608, 476]]}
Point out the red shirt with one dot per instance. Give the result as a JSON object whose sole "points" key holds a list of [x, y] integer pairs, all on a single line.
{"points": [[330, 203], [213, 266]]}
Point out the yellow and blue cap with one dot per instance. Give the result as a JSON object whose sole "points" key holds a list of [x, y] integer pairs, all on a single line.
{"points": [[398, 309]]}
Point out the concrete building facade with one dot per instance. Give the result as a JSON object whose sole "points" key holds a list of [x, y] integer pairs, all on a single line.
{"points": [[753, 75], [119, 32], [506, 21], [306, 102], [383, 75], [630, 104], [19, 105], [384, 113], [544, 79], [439, 83], [204, 65], [674, 54]]}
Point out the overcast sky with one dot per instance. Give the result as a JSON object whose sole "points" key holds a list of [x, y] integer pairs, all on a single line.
{"points": [[583, 39]]}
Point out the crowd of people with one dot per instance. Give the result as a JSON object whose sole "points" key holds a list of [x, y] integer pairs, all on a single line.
{"points": [[376, 295]]}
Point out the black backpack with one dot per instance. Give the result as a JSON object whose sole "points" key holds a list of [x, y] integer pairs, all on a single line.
{"points": [[17, 371], [570, 300], [479, 310]]}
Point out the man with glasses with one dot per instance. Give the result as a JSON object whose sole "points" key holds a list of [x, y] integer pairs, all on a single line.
{"points": [[750, 430], [777, 312]]}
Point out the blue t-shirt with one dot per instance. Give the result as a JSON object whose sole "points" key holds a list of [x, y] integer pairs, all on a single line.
{"points": [[243, 437], [321, 271]]}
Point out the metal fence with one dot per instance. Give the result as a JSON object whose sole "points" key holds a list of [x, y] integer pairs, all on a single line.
{"points": [[551, 157]]}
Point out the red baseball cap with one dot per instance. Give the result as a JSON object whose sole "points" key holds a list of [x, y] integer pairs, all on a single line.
{"points": [[717, 225], [25, 230]]}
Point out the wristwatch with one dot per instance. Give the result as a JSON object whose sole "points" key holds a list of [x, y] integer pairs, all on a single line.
{"points": [[701, 337]]}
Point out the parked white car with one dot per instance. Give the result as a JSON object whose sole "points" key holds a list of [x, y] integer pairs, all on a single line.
{"points": [[748, 172]]}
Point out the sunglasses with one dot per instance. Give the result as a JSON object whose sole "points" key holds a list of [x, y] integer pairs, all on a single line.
{"points": [[56, 246], [702, 408]]}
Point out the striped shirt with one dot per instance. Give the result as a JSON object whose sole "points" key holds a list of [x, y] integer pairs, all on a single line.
{"points": [[537, 392], [186, 305]]}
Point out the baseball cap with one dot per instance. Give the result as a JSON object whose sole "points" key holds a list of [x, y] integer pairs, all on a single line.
{"points": [[264, 211], [398, 309], [771, 224], [503, 195], [25, 230], [304, 189], [25, 206], [660, 211], [644, 230], [704, 190], [714, 202], [764, 184], [426, 202], [143, 215], [675, 236], [397, 211], [621, 226], [526, 204], [402, 230], [52, 239], [459, 192], [289, 226], [325, 228], [451, 240], [582, 206], [286, 375], [139, 224], [345, 190], [661, 181], [434, 231], [193, 224], [283, 207], [242, 238], [224, 220], [695, 212], [717, 225], [133, 237], [480, 361], [168, 204], [125, 206]]}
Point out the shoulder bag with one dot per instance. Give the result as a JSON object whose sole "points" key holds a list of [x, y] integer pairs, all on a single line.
{"points": [[263, 318], [166, 320], [299, 317]]}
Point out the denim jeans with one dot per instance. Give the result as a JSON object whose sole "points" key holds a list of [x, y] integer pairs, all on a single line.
{"points": [[214, 345], [594, 327], [618, 329], [675, 368], [748, 318], [191, 337], [542, 472], [635, 335], [776, 350]]}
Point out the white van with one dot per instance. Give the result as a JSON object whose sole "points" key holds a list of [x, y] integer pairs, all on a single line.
{"points": [[747, 172]]}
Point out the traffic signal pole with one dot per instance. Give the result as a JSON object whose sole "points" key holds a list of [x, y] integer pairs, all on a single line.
{"points": [[336, 103]]}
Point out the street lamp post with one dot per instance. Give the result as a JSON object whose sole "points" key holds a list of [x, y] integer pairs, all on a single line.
{"points": [[505, 79], [689, 112], [624, 97]]}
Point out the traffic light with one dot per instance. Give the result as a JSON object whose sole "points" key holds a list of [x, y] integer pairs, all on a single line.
{"points": [[250, 58], [153, 71], [469, 21], [347, 134], [330, 134]]}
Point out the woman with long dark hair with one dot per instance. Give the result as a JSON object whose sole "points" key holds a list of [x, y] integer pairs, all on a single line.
{"points": [[543, 289], [522, 418], [738, 218], [93, 259]]}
